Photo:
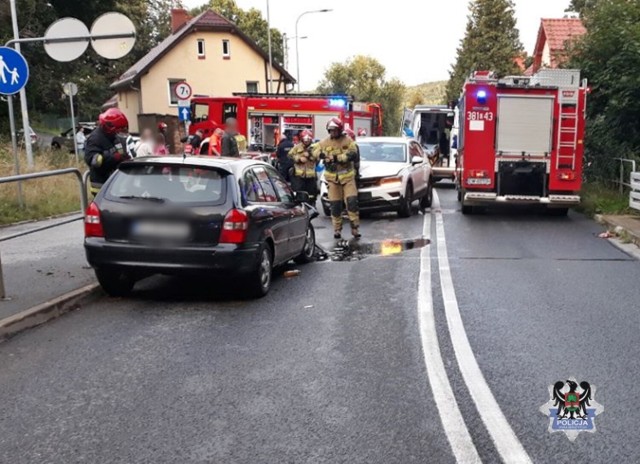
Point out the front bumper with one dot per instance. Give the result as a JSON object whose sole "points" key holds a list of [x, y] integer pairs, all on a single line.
{"points": [[223, 258], [489, 198]]}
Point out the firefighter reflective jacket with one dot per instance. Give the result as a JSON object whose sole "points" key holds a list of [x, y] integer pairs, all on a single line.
{"points": [[308, 168], [340, 155], [103, 153]]}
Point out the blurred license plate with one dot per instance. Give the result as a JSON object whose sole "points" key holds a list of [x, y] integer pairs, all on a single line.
{"points": [[173, 230]]}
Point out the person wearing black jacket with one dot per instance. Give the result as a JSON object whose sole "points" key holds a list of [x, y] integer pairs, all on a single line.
{"points": [[105, 147], [285, 164], [229, 145]]}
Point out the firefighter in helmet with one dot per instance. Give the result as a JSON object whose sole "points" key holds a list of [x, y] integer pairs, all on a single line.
{"points": [[105, 148], [304, 158], [339, 152], [362, 132]]}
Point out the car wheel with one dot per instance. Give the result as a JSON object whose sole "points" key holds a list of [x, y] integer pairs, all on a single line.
{"points": [[55, 146], [405, 203], [115, 283], [259, 282], [459, 195], [309, 250], [427, 199]]}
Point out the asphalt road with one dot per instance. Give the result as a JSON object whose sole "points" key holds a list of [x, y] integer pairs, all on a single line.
{"points": [[330, 366]]}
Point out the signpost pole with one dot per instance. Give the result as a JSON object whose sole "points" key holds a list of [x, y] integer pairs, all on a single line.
{"points": [[14, 147], [23, 95], [73, 123]]}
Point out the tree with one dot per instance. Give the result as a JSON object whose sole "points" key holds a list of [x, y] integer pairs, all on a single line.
{"points": [[364, 78], [580, 6], [491, 42], [609, 56]]}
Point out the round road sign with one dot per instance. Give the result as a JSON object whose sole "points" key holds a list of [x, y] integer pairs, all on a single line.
{"points": [[113, 23], [183, 91], [66, 28], [70, 89]]}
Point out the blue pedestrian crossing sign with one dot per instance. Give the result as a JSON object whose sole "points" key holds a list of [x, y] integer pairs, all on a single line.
{"points": [[14, 71], [184, 113]]}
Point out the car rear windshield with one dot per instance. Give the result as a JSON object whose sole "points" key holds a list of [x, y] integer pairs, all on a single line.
{"points": [[168, 183], [380, 151]]}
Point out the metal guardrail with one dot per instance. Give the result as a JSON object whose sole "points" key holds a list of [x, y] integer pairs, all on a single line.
{"points": [[634, 194], [621, 180], [82, 182]]}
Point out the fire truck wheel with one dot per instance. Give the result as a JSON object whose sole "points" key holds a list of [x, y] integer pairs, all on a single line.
{"points": [[558, 212], [404, 211]]}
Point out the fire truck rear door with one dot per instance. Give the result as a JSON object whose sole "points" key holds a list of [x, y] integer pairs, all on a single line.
{"points": [[525, 125]]}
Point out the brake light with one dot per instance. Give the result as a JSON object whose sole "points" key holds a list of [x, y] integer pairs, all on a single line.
{"points": [[92, 223], [235, 227], [479, 174]]}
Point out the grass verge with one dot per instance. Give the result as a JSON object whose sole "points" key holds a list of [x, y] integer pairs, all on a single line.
{"points": [[600, 199], [43, 198]]}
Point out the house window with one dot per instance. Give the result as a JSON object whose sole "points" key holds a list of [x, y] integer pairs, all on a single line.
{"points": [[201, 53], [252, 86], [226, 49], [172, 84]]}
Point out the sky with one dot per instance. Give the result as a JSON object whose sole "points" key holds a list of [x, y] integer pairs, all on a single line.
{"points": [[415, 40]]}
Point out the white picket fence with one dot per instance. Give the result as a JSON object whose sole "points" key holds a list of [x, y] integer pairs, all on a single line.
{"points": [[634, 195]]}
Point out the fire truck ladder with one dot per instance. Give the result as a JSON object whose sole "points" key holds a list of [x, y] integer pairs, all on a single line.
{"points": [[568, 133]]}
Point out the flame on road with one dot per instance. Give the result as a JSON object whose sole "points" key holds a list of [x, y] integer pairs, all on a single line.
{"points": [[390, 247]]}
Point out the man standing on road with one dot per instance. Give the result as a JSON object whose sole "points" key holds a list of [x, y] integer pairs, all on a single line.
{"points": [[339, 153], [229, 142], [285, 164], [105, 147], [81, 139], [304, 167]]}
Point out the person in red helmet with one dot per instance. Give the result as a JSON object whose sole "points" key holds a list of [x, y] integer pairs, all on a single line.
{"points": [[339, 152], [304, 177], [362, 132], [162, 128], [105, 147]]}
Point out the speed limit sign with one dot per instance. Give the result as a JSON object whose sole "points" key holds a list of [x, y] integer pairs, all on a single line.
{"points": [[183, 91]]}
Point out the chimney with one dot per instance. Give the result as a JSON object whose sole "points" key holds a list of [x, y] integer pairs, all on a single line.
{"points": [[179, 17]]}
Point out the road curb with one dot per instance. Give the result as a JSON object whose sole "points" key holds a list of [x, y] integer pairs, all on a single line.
{"points": [[618, 229], [48, 310]]}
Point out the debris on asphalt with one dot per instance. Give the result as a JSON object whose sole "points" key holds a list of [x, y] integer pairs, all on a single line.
{"points": [[308, 307], [606, 234], [292, 273]]}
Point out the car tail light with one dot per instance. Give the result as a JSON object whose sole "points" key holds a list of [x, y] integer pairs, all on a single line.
{"points": [[92, 223], [479, 174], [235, 227]]}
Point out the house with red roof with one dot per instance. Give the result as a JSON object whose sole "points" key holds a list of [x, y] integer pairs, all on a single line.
{"points": [[554, 38], [210, 53]]}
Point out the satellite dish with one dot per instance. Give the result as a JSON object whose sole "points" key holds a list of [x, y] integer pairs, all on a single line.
{"points": [[113, 24], [65, 28]]}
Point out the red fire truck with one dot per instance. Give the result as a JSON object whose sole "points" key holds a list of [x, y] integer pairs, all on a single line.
{"points": [[263, 118], [521, 140]]}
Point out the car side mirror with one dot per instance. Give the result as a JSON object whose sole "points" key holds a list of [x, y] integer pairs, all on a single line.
{"points": [[302, 197], [417, 160]]}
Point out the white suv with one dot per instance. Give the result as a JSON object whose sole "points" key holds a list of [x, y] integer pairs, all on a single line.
{"points": [[394, 172]]}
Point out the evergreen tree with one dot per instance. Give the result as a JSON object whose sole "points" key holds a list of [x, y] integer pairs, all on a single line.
{"points": [[491, 42], [581, 6]]}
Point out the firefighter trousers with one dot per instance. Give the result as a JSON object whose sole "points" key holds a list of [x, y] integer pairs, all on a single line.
{"points": [[339, 195], [306, 184]]}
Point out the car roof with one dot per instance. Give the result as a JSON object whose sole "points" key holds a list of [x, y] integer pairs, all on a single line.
{"points": [[231, 165], [404, 140]]}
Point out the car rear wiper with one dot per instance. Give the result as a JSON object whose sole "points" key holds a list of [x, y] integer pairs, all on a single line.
{"points": [[135, 197]]}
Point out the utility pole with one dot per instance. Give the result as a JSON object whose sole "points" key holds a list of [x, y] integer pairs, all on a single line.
{"points": [[270, 86], [23, 95]]}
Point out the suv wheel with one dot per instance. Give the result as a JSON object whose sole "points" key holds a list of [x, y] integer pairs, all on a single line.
{"points": [[405, 203], [427, 199]]}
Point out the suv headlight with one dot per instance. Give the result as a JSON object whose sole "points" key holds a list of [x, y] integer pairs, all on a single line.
{"points": [[390, 181]]}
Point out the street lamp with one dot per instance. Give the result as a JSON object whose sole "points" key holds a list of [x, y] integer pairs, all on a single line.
{"points": [[285, 47], [324, 10]]}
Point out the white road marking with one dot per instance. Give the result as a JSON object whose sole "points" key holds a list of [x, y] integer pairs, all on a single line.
{"points": [[505, 440], [452, 421]]}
